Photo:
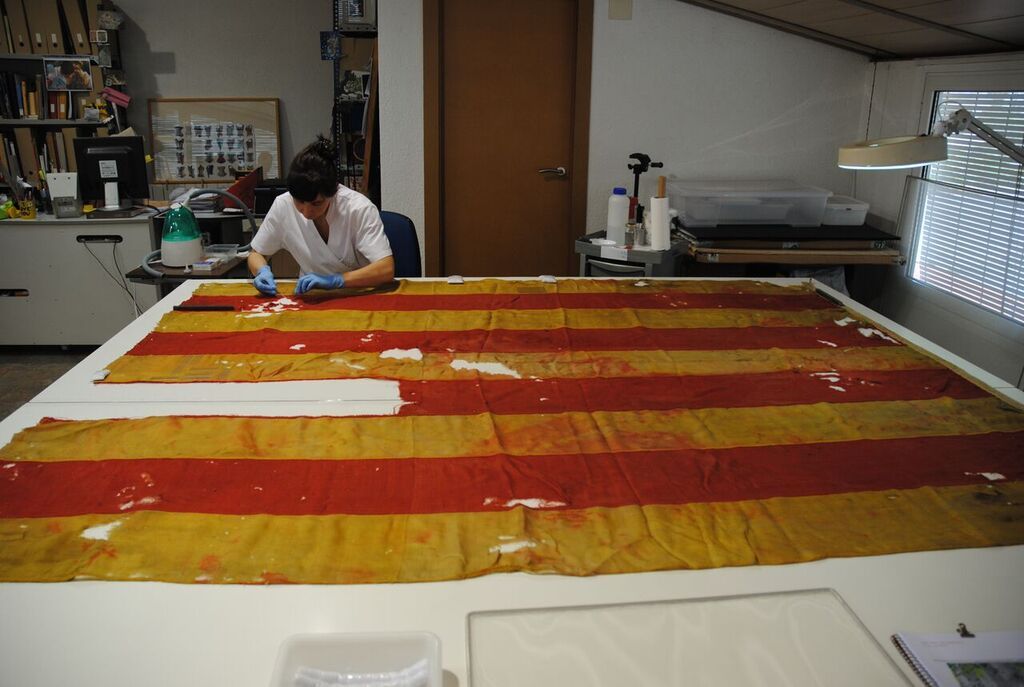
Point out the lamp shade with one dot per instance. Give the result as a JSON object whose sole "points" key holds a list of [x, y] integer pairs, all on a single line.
{"points": [[893, 153]]}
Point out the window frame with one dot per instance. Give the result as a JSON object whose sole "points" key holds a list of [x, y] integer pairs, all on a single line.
{"points": [[933, 92], [964, 77]]}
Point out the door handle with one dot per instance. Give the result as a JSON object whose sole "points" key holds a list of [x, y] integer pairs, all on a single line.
{"points": [[557, 171]]}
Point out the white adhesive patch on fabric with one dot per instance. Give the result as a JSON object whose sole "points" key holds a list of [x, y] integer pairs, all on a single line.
{"points": [[868, 332], [402, 354], [513, 546], [486, 368], [991, 476], [100, 532], [845, 321]]}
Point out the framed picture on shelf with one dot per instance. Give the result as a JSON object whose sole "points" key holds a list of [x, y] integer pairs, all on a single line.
{"points": [[357, 15], [212, 140], [67, 75]]}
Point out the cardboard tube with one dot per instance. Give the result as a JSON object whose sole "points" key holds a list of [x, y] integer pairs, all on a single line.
{"points": [[659, 235]]}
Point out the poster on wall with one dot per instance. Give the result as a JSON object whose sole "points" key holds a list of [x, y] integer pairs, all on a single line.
{"points": [[214, 140]]}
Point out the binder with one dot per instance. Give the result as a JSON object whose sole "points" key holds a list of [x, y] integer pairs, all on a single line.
{"points": [[5, 37], [76, 27], [28, 156], [21, 42], [70, 133], [52, 159], [44, 27], [92, 22], [940, 660], [62, 156]]}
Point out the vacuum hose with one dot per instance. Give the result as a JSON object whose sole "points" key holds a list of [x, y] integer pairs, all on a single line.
{"points": [[148, 269]]}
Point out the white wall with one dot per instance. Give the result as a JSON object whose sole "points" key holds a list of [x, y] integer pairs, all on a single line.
{"points": [[707, 94], [902, 105], [259, 48], [716, 97], [400, 50]]}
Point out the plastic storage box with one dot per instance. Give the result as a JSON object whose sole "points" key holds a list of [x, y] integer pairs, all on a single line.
{"points": [[372, 656], [768, 201], [845, 211]]}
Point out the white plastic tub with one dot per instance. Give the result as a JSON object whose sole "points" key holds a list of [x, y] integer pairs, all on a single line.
{"points": [[845, 211], [764, 201], [369, 654]]}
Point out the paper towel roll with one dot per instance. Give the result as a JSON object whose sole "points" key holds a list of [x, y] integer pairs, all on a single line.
{"points": [[659, 237], [110, 197]]}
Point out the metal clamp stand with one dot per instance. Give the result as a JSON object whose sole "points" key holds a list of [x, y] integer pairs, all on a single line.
{"points": [[643, 163]]}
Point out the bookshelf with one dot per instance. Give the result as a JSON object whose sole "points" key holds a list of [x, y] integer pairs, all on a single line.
{"points": [[64, 83], [354, 115]]}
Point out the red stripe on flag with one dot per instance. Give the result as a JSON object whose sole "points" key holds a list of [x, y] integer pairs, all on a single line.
{"points": [[273, 341], [516, 396], [448, 485], [531, 301]]}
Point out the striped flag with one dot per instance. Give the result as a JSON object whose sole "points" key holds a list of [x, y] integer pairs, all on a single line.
{"points": [[582, 427]]}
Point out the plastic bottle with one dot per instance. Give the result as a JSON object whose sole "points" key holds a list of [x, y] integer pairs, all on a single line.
{"points": [[618, 215]]}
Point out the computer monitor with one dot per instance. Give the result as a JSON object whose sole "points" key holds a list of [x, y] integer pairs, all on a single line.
{"points": [[112, 169]]}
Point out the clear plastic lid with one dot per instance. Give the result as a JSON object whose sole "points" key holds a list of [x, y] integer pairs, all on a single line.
{"points": [[781, 188]]}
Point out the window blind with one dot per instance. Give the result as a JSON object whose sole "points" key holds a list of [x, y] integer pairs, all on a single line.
{"points": [[970, 236]]}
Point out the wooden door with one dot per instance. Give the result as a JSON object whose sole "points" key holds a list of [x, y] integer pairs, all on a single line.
{"points": [[509, 107]]}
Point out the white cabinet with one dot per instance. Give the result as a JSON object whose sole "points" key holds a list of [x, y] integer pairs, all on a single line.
{"points": [[62, 280]]}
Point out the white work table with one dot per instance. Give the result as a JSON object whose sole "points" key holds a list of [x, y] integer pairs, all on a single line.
{"points": [[114, 634]]}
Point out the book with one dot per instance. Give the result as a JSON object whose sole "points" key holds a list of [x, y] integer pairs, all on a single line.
{"points": [[994, 659]]}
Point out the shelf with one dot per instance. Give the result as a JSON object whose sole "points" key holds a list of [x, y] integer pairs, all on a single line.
{"points": [[50, 122], [33, 57]]}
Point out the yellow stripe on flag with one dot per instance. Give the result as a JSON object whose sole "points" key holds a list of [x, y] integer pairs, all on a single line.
{"points": [[255, 367], [346, 438], [259, 549], [499, 286], [462, 320]]}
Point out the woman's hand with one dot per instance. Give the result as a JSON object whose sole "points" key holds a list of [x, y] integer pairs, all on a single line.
{"points": [[318, 281]]}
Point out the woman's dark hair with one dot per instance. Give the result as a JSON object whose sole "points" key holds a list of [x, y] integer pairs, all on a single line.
{"points": [[313, 172]]}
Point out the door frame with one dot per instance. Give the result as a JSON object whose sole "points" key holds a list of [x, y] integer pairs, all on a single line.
{"points": [[433, 108]]}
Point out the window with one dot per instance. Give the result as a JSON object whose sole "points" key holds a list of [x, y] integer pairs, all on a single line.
{"points": [[970, 235]]}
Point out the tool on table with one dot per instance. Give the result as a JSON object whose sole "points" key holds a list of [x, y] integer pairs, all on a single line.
{"points": [[642, 164], [204, 308]]}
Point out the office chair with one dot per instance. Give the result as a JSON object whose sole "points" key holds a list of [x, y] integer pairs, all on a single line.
{"points": [[405, 247]]}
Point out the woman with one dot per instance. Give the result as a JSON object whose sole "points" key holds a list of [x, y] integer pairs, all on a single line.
{"points": [[333, 232]]}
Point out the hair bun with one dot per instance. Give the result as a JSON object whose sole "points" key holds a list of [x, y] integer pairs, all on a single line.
{"points": [[324, 148]]}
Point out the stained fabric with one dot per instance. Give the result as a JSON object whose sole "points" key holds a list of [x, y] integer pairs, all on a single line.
{"points": [[586, 427]]}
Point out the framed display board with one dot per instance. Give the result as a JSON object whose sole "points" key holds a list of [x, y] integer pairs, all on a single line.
{"points": [[209, 140]]}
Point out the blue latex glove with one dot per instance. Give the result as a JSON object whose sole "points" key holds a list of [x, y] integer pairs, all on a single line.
{"points": [[264, 281], [319, 281]]}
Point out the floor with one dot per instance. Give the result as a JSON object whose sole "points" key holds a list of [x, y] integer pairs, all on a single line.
{"points": [[27, 370]]}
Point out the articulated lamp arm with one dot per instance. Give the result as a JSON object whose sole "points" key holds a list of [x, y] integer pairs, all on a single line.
{"points": [[963, 120]]}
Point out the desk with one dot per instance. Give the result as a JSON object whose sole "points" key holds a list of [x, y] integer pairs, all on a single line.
{"points": [[783, 245], [740, 245], [233, 268], [69, 274], [122, 633]]}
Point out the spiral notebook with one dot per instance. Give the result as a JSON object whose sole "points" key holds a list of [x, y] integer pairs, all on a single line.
{"points": [[992, 659]]}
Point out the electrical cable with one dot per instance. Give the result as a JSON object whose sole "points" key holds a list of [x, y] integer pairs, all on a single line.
{"points": [[867, 126], [112, 277], [120, 273]]}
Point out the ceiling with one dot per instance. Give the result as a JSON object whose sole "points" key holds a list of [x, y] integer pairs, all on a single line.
{"points": [[891, 29]]}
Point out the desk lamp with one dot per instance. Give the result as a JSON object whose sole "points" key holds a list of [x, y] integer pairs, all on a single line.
{"points": [[913, 151]]}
